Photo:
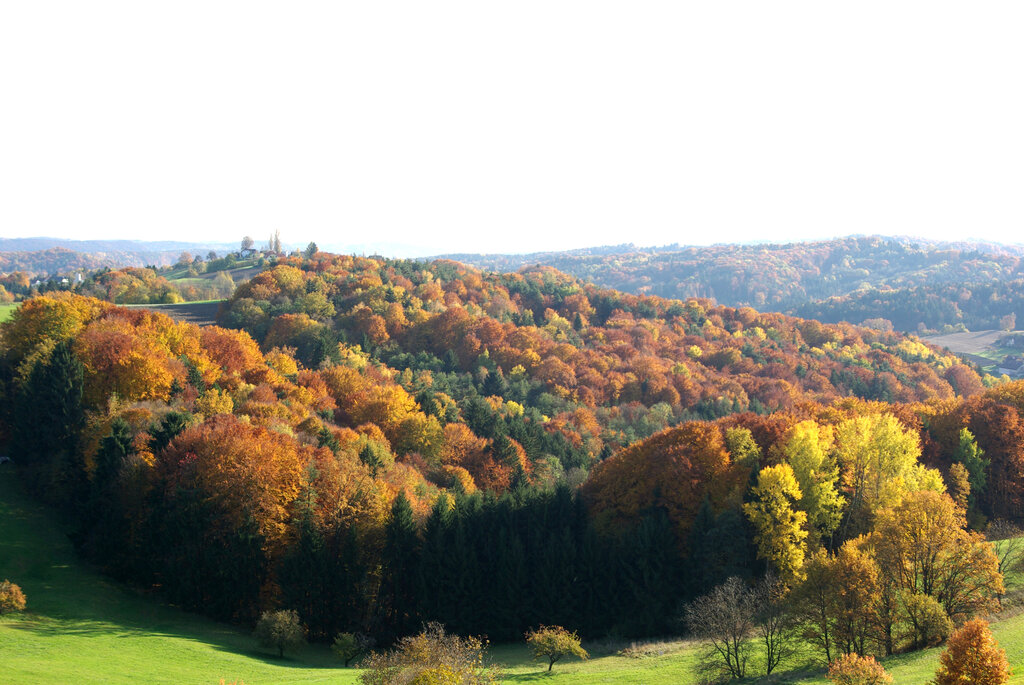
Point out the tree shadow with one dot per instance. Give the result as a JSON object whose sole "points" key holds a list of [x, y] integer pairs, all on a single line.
{"points": [[67, 597]]}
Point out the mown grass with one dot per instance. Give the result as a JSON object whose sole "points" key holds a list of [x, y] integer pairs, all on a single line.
{"points": [[84, 629]]}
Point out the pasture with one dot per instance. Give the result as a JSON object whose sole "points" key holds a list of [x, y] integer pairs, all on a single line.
{"points": [[83, 628]]}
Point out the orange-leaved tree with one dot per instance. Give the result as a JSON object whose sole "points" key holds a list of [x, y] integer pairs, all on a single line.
{"points": [[972, 656]]}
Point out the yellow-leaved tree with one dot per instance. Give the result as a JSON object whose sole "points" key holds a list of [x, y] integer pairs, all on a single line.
{"points": [[780, 529], [879, 462], [807, 448]]}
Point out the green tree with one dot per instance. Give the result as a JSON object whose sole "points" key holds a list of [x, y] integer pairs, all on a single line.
{"points": [[280, 630], [553, 643], [973, 459]]}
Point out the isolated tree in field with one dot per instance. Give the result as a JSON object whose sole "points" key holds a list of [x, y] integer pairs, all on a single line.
{"points": [[972, 656], [553, 643], [247, 243], [432, 656], [780, 527], [11, 598], [853, 669], [724, 620], [350, 645], [280, 630]]}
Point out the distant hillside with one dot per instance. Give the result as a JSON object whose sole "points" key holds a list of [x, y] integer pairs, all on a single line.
{"points": [[848, 279], [52, 256]]}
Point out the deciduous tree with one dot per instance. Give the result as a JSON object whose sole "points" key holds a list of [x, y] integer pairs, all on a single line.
{"points": [[780, 527], [553, 643], [972, 656]]}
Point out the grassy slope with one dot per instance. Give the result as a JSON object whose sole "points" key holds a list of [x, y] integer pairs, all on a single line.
{"points": [[84, 629], [6, 310]]}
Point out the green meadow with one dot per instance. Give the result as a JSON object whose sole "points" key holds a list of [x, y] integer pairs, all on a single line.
{"points": [[6, 310], [83, 629]]}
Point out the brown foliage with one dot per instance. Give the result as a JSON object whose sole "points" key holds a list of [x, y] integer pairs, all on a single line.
{"points": [[972, 656]]}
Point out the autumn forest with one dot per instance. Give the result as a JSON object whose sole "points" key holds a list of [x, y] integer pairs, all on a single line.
{"points": [[380, 443]]}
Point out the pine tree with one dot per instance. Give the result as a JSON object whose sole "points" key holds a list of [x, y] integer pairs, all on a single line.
{"points": [[398, 609]]}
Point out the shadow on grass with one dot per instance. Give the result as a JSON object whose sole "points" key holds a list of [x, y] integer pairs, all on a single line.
{"points": [[68, 598]]}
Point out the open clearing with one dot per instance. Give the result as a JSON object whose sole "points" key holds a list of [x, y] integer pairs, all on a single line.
{"points": [[979, 347], [82, 628], [199, 313]]}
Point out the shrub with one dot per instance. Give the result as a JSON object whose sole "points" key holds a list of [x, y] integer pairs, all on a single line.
{"points": [[280, 630], [11, 598], [972, 656], [554, 642], [432, 657], [852, 669]]}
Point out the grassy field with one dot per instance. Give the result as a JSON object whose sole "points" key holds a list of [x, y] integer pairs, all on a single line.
{"points": [[83, 629], [6, 310]]}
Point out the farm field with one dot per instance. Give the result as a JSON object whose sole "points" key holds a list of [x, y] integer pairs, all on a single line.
{"points": [[979, 347], [199, 313], [85, 629]]}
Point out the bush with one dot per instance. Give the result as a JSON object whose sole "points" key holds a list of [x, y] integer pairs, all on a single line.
{"points": [[851, 669], [972, 656], [554, 642], [432, 657], [11, 598], [280, 630]]}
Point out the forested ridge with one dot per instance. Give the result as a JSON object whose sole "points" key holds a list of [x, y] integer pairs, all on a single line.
{"points": [[913, 284], [376, 443]]}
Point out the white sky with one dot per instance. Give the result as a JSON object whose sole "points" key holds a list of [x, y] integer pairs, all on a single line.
{"points": [[519, 126]]}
